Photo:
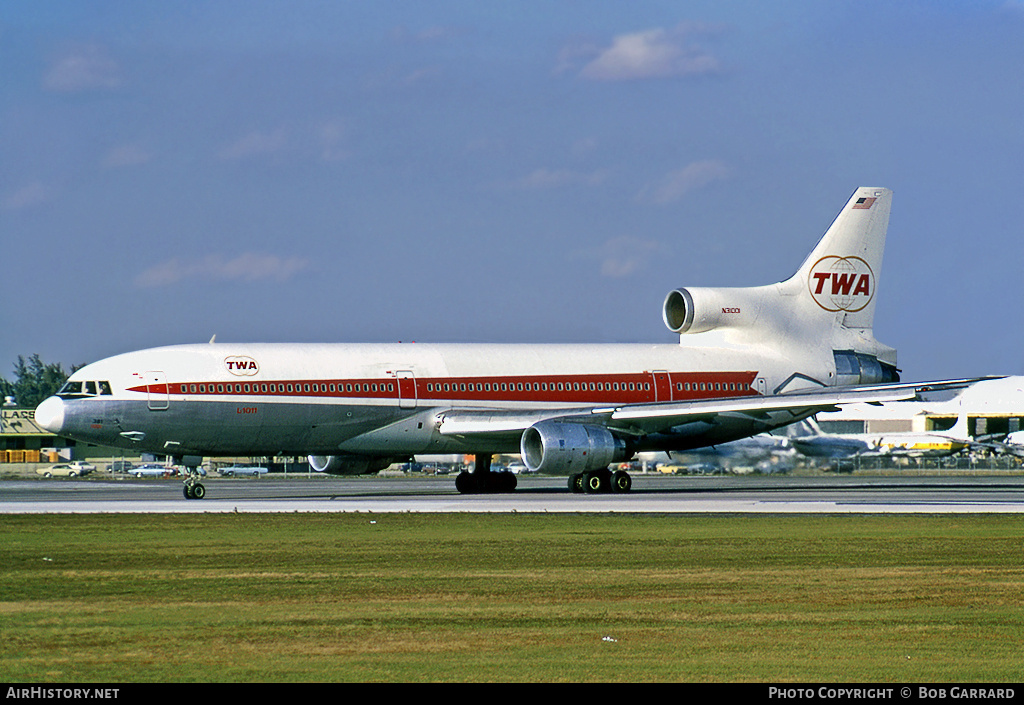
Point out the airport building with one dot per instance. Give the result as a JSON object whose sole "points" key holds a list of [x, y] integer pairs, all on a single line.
{"points": [[992, 407], [23, 441]]}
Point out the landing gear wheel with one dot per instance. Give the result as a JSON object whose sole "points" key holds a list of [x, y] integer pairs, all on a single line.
{"points": [[482, 481], [597, 481], [505, 482], [621, 481], [465, 483], [576, 483], [193, 487]]}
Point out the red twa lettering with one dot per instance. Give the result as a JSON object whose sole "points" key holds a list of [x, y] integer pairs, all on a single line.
{"points": [[243, 365], [843, 283]]}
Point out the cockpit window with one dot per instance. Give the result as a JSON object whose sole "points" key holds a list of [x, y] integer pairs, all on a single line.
{"points": [[78, 390], [70, 389]]}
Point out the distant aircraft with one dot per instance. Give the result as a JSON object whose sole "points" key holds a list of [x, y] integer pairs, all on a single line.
{"points": [[1012, 444], [931, 444], [764, 452], [994, 408], [749, 360]]}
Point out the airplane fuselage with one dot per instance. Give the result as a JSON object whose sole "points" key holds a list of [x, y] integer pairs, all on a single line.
{"points": [[266, 399]]}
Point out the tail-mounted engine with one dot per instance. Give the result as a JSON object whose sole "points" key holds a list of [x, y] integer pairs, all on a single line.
{"points": [[698, 310], [565, 448], [858, 368]]}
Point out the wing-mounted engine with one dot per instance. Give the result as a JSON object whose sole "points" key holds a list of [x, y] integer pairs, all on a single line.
{"points": [[565, 448], [348, 464], [700, 309]]}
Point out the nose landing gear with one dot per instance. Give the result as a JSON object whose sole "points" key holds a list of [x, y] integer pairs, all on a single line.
{"points": [[193, 486]]}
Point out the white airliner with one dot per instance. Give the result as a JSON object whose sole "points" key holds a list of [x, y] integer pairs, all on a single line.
{"points": [[925, 444], [749, 360]]}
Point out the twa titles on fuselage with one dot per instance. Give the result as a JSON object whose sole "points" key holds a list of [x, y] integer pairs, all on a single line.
{"points": [[749, 360]]}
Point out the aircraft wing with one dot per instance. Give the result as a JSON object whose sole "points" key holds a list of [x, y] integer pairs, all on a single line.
{"points": [[661, 417]]}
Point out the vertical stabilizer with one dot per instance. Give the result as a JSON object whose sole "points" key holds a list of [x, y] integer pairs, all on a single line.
{"points": [[841, 273]]}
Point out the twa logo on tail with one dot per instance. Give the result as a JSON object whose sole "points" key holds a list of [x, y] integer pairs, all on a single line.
{"points": [[841, 283], [241, 365]]}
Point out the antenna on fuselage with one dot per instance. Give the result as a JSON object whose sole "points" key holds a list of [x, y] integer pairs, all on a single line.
{"points": [[213, 339]]}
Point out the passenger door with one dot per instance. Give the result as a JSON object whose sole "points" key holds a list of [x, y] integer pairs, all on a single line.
{"points": [[157, 391]]}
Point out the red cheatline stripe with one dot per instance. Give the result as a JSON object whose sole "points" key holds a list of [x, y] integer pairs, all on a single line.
{"points": [[613, 388]]}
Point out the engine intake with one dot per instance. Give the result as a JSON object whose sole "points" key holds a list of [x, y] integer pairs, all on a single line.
{"points": [[699, 310], [566, 448], [347, 464]]}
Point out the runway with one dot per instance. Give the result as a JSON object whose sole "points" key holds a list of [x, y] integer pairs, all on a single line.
{"points": [[650, 494]]}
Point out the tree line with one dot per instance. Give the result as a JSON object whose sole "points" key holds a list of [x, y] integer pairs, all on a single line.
{"points": [[34, 380]]}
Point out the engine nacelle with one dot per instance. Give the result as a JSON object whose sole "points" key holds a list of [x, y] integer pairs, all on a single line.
{"points": [[347, 464], [700, 309], [859, 368], [566, 448]]}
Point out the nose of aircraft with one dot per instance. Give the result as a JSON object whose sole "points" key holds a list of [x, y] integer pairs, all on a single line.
{"points": [[50, 414]]}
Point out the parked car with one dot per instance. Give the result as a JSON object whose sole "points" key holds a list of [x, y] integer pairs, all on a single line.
{"points": [[153, 470], [66, 470], [249, 470], [121, 466]]}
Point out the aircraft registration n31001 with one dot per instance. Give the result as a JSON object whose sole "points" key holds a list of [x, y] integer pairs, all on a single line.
{"points": [[749, 359]]}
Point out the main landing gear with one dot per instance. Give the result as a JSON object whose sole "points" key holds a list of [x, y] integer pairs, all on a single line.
{"points": [[482, 481], [596, 481]]}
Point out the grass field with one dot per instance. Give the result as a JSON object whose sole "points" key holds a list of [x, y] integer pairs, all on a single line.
{"points": [[520, 597]]}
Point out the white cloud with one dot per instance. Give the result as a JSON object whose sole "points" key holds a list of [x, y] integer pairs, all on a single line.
{"points": [[557, 178], [27, 196], [653, 53], [84, 68], [331, 137], [430, 34], [677, 184], [125, 156], [1014, 6], [247, 267], [623, 256], [255, 143]]}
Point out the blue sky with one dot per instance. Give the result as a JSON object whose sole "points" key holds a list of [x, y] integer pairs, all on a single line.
{"points": [[497, 172]]}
